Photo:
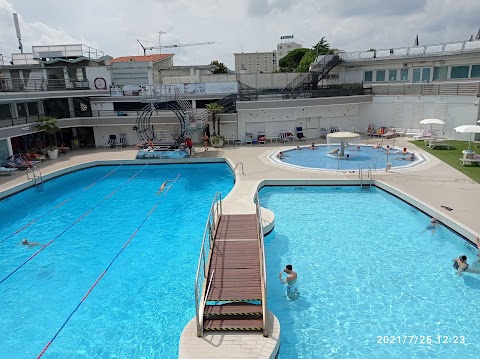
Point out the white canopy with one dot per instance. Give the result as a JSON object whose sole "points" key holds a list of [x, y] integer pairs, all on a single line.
{"points": [[343, 135], [432, 121], [468, 129]]}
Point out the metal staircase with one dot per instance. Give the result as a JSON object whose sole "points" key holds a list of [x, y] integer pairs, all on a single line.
{"points": [[168, 97], [309, 81]]}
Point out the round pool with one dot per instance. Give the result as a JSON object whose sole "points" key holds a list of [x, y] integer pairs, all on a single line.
{"points": [[325, 157]]}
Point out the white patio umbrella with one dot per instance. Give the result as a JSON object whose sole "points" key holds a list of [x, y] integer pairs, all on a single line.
{"points": [[468, 129], [343, 137], [431, 122]]}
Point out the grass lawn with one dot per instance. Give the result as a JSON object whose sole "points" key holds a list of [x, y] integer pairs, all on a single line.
{"points": [[452, 155]]}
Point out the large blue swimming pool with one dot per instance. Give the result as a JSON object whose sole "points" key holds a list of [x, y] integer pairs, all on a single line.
{"points": [[364, 156], [140, 306], [373, 283]]}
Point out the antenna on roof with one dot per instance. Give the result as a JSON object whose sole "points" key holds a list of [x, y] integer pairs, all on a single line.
{"points": [[471, 37], [416, 41], [17, 29], [478, 35]]}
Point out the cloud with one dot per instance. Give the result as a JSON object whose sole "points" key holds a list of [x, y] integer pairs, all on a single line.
{"points": [[265, 7], [114, 26]]}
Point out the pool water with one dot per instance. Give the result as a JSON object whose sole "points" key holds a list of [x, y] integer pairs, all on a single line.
{"points": [[367, 269], [140, 306], [365, 157]]}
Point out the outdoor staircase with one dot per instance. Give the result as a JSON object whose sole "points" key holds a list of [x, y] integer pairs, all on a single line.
{"points": [[35, 81], [169, 97], [309, 81], [230, 287]]}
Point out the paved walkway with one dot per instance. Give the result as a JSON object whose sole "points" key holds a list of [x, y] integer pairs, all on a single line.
{"points": [[431, 186]]}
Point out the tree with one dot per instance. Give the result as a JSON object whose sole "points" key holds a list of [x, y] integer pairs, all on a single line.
{"points": [[222, 69], [290, 61], [215, 108], [306, 60], [322, 47], [50, 127]]}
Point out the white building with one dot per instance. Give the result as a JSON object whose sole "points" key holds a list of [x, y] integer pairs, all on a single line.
{"points": [[284, 47], [255, 62]]}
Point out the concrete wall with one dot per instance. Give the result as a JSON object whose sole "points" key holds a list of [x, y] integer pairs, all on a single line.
{"points": [[407, 111], [98, 71], [311, 119]]}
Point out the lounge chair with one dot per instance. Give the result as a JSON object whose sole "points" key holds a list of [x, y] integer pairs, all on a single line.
{"points": [[424, 135], [8, 171], [121, 142], [261, 138], [300, 134], [284, 137], [110, 143], [249, 138], [389, 133], [412, 132]]}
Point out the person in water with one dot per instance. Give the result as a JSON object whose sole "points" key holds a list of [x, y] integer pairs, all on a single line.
{"points": [[477, 242], [290, 280], [432, 226], [460, 265], [162, 187], [334, 152], [280, 155], [378, 146], [312, 147], [28, 244]]}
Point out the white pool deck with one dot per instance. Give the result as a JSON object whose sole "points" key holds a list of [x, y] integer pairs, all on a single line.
{"points": [[428, 186]]}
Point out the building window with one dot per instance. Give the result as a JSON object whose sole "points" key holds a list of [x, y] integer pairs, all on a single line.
{"points": [[5, 112], [404, 75], [459, 72], [416, 75], [368, 76], [280, 47], [440, 73], [380, 75], [475, 71], [289, 46], [392, 75], [426, 74]]}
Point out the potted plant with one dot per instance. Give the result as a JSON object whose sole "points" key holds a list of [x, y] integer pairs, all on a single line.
{"points": [[216, 140], [50, 127]]}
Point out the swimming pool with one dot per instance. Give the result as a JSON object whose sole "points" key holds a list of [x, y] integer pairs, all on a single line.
{"points": [[142, 303], [368, 273], [365, 157]]}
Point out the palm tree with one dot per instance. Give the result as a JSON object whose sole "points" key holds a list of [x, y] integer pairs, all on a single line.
{"points": [[215, 108], [50, 127]]}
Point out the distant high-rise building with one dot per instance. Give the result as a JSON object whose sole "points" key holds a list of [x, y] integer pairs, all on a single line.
{"points": [[264, 62], [255, 62], [285, 46]]}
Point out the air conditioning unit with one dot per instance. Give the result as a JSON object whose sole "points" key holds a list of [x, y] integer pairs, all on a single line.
{"points": [[405, 64]]}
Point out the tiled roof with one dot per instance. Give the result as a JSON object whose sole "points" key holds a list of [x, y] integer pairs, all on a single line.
{"points": [[148, 58]]}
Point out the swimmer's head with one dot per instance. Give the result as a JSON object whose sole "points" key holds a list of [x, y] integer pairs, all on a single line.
{"points": [[463, 258], [24, 241], [289, 267]]}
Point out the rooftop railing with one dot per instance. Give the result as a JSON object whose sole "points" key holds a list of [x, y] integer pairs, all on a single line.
{"points": [[453, 89], [413, 51], [19, 85], [76, 50]]}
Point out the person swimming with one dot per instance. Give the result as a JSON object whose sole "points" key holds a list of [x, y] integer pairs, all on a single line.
{"points": [[162, 187], [334, 152], [28, 244]]}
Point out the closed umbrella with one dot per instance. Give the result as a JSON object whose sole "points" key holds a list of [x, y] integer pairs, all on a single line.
{"points": [[468, 129]]}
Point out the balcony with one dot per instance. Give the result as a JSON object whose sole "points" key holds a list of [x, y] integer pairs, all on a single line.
{"points": [[34, 85]]}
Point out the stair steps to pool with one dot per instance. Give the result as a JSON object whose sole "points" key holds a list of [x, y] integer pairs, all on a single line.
{"points": [[233, 296]]}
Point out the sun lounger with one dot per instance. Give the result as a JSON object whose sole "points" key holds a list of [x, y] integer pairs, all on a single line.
{"points": [[437, 143], [469, 161], [8, 171], [412, 132]]}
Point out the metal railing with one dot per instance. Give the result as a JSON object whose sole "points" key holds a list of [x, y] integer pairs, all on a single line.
{"points": [[414, 51], [369, 176], [236, 166], [37, 179], [263, 274], [435, 89], [33, 119], [203, 260], [41, 84]]}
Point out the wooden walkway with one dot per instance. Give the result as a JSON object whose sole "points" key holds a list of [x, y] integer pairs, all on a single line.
{"points": [[234, 301]]}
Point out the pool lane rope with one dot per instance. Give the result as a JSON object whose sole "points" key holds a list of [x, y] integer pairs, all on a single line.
{"points": [[58, 205], [72, 224], [108, 267]]}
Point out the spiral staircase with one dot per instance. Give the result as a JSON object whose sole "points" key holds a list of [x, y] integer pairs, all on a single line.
{"points": [[168, 97]]}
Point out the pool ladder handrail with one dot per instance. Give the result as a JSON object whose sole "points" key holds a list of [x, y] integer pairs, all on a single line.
{"points": [[201, 284], [236, 165], [38, 179], [369, 176]]}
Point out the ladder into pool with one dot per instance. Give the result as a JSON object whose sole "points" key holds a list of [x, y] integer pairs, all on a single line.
{"points": [[36, 175], [231, 284], [369, 181]]}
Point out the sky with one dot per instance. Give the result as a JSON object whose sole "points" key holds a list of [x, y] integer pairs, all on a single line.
{"points": [[114, 26]]}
